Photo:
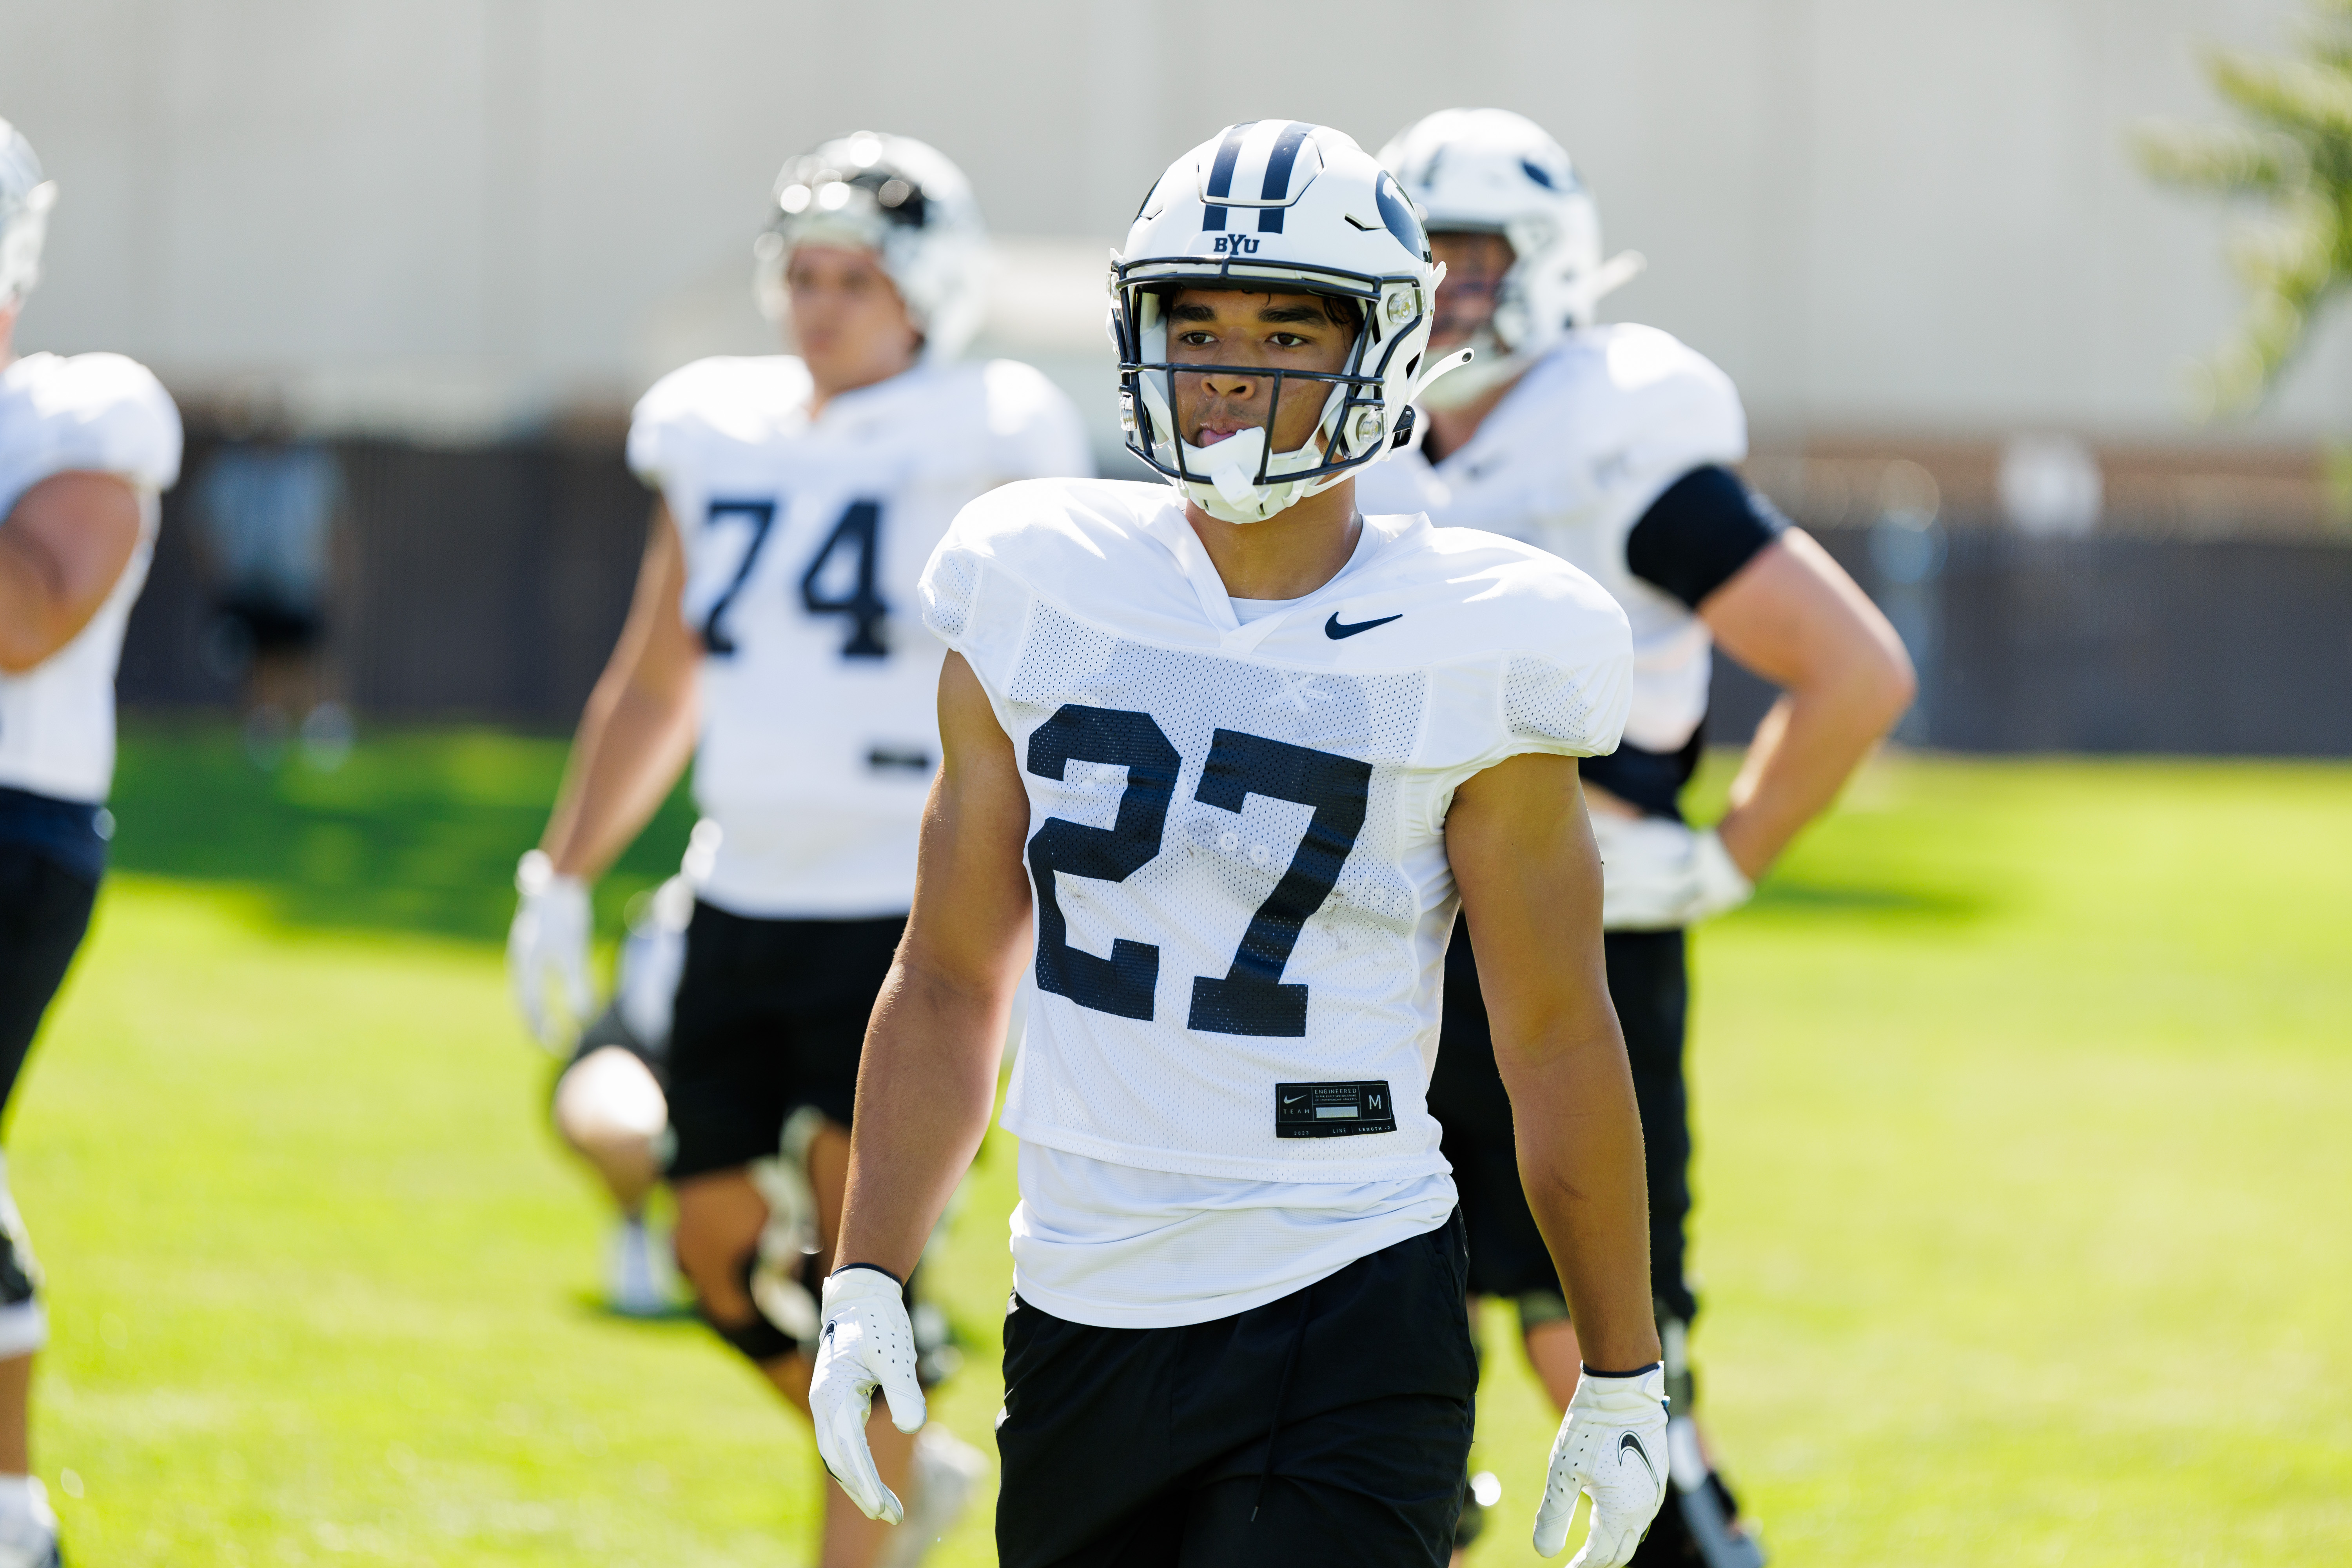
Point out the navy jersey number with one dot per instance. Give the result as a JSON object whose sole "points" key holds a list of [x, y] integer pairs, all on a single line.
{"points": [[860, 529], [1249, 998], [859, 532], [762, 516], [1122, 982]]}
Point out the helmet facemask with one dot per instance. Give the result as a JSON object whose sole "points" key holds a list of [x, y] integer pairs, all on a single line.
{"points": [[1241, 480]]}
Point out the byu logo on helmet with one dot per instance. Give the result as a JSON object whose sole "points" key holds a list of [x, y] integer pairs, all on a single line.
{"points": [[1276, 206]]}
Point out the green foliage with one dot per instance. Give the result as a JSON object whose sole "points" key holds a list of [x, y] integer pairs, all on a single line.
{"points": [[2021, 1095], [2294, 156]]}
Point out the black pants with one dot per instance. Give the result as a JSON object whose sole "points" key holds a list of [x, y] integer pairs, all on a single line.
{"points": [[771, 1017], [1651, 987], [1331, 1427], [44, 911]]}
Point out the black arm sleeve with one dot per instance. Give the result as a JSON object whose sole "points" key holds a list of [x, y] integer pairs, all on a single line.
{"points": [[1697, 536]]}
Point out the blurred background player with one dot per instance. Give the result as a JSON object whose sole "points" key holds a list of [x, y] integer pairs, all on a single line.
{"points": [[265, 504], [1610, 445], [87, 445], [775, 638]]}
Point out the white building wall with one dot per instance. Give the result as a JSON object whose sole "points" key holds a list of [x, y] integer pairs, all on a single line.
{"points": [[458, 217]]}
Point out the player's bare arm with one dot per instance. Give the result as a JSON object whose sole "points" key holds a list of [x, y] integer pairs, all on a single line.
{"points": [[638, 728], [928, 1077], [1793, 615], [62, 549], [925, 1081], [1530, 879]]}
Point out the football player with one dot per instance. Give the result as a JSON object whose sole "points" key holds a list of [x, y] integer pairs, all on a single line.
{"points": [[86, 445], [1242, 753], [775, 639], [1612, 447]]}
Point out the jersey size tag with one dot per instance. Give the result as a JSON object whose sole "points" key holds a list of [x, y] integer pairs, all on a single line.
{"points": [[1333, 1110]]}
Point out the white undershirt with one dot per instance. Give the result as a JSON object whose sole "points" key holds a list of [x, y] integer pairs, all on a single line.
{"points": [[1116, 1247], [1248, 610]]}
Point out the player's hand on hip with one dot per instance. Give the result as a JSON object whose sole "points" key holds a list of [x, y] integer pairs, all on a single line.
{"points": [[1612, 1447], [866, 1344], [1658, 875], [547, 951]]}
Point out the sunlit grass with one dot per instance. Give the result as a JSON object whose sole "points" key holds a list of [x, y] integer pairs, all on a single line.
{"points": [[2024, 1191]]}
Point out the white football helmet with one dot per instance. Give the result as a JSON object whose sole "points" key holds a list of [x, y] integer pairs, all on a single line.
{"points": [[1295, 208], [901, 199], [1489, 171], [25, 201]]}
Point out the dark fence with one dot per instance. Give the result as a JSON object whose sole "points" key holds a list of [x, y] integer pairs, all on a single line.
{"points": [[489, 583], [2109, 643], [485, 584]]}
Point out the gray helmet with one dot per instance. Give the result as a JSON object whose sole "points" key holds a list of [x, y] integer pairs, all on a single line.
{"points": [[25, 201]]}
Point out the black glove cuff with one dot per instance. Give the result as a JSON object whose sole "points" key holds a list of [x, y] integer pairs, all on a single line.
{"points": [[878, 1269], [1637, 1371]]}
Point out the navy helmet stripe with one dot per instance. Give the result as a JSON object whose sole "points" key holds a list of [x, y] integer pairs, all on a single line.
{"points": [[1277, 175], [1221, 173]]}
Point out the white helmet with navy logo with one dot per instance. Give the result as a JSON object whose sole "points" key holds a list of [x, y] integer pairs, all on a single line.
{"points": [[901, 199], [1283, 206], [1489, 171], [25, 201]]}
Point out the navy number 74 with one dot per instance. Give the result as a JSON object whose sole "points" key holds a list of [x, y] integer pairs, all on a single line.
{"points": [[859, 531]]}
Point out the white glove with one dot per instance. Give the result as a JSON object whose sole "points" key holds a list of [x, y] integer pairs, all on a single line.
{"points": [[1658, 875], [1612, 1447], [547, 950], [866, 1344]]}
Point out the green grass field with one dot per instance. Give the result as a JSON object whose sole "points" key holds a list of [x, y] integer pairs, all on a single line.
{"points": [[2026, 1208]]}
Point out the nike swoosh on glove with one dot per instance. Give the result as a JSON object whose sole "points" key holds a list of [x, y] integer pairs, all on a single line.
{"points": [[866, 1344], [1612, 1447], [547, 950], [1658, 875]]}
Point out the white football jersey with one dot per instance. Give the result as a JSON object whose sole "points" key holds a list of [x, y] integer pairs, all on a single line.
{"points": [[102, 414], [1237, 842], [1569, 460], [804, 540]]}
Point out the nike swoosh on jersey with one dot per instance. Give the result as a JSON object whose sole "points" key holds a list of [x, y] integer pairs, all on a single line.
{"points": [[1336, 628]]}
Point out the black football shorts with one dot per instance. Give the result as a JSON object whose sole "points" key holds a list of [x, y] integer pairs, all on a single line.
{"points": [[1331, 1426], [1651, 987], [44, 911], [771, 1017]]}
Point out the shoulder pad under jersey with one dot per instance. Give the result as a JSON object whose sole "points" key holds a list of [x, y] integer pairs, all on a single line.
{"points": [[1638, 405], [1034, 420], [105, 413], [734, 398], [1520, 629]]}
